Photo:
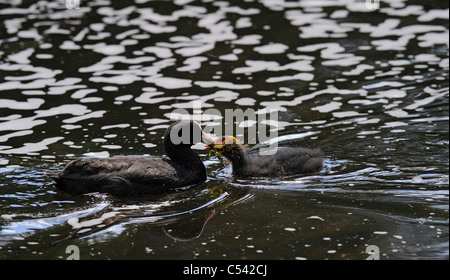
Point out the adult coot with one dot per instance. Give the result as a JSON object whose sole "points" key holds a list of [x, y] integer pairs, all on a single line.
{"points": [[133, 175], [285, 162]]}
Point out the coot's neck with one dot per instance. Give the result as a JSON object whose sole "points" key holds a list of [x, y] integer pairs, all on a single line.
{"points": [[181, 152], [187, 158]]}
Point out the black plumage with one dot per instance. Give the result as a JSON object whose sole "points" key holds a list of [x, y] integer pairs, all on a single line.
{"points": [[134, 175], [284, 162]]}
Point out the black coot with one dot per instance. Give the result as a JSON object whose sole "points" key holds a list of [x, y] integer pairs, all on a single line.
{"points": [[285, 162], [133, 175]]}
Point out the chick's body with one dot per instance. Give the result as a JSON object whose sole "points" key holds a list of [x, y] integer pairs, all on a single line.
{"points": [[284, 162]]}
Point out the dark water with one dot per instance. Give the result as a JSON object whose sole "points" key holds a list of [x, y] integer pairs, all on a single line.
{"points": [[368, 87]]}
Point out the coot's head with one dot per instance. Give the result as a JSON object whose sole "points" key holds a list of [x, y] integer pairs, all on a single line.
{"points": [[227, 146], [181, 135]]}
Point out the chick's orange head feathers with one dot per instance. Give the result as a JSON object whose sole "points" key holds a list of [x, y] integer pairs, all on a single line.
{"points": [[220, 142]]}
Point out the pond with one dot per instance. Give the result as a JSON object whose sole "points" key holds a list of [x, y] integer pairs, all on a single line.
{"points": [[367, 85]]}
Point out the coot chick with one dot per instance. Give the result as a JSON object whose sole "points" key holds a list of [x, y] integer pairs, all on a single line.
{"points": [[285, 162], [133, 175]]}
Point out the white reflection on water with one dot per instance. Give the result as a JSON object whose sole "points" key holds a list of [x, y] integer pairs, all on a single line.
{"points": [[368, 87], [29, 226]]}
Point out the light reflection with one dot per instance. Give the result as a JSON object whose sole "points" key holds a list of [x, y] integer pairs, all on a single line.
{"points": [[370, 90]]}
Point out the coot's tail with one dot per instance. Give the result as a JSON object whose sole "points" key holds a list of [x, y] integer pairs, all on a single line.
{"points": [[66, 185], [313, 165]]}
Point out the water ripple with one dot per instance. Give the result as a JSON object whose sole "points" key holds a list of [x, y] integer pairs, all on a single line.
{"points": [[368, 87]]}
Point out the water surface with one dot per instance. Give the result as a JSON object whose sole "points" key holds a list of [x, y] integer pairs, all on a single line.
{"points": [[368, 87]]}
